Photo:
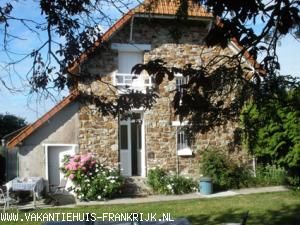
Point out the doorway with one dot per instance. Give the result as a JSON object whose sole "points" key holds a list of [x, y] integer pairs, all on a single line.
{"points": [[132, 154], [55, 154]]}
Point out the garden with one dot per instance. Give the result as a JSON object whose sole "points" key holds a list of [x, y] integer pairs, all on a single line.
{"points": [[280, 208], [270, 134], [91, 179]]}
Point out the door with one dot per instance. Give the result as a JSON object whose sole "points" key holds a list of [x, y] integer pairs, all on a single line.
{"points": [[127, 60], [131, 146], [55, 157], [125, 148], [136, 147]]}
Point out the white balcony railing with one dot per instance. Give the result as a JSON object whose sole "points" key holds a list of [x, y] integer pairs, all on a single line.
{"points": [[139, 82]]}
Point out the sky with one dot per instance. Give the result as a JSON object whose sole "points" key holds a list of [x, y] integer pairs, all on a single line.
{"points": [[22, 104]]}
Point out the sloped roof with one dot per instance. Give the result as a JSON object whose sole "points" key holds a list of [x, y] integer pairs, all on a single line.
{"points": [[170, 7], [28, 130], [149, 7]]}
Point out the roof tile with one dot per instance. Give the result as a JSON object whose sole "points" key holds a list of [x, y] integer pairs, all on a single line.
{"points": [[170, 7]]}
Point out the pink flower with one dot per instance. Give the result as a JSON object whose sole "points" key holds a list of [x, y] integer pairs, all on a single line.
{"points": [[72, 165], [85, 158], [72, 176], [76, 158]]}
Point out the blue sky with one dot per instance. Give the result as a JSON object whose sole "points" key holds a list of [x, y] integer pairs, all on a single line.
{"points": [[19, 103]]}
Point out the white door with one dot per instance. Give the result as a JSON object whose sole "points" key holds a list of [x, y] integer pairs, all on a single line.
{"points": [[127, 60], [55, 157], [132, 155]]}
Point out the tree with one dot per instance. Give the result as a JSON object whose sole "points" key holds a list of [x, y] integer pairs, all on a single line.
{"points": [[10, 123], [272, 127], [76, 23]]}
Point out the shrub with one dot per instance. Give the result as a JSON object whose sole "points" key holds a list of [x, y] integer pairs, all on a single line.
{"points": [[270, 175], [271, 126], [164, 183], [91, 179], [157, 179], [182, 185], [294, 181], [2, 165], [224, 172]]}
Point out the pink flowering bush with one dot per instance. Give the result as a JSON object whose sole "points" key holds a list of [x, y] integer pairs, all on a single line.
{"points": [[91, 179]]}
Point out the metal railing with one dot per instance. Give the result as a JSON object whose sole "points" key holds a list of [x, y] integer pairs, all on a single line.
{"points": [[128, 81]]}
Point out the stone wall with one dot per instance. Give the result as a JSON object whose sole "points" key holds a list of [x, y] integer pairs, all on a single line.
{"points": [[99, 133]]}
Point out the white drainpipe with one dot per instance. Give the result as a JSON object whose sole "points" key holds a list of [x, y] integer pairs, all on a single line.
{"points": [[254, 165], [131, 29]]}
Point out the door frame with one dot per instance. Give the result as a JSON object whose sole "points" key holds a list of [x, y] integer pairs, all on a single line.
{"points": [[143, 144], [46, 151]]}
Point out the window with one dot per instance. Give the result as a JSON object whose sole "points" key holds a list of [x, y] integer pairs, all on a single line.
{"points": [[180, 80], [183, 145], [124, 137], [182, 141]]}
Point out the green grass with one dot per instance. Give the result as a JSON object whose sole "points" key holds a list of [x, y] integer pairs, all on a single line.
{"points": [[282, 208]]}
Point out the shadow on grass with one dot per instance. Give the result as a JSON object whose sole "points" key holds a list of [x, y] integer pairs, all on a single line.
{"points": [[286, 215]]}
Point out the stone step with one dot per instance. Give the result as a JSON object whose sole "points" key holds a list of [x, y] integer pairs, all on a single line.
{"points": [[136, 187]]}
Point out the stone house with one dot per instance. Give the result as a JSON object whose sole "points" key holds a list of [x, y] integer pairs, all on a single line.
{"points": [[150, 138]]}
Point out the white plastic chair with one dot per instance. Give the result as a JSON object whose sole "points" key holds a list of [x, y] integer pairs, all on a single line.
{"points": [[5, 200], [61, 188]]}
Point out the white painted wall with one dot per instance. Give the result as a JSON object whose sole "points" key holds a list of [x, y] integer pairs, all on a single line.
{"points": [[63, 128]]}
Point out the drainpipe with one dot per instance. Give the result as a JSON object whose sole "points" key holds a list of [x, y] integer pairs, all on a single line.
{"points": [[209, 26], [177, 158], [145, 149], [18, 169], [131, 30], [119, 144], [254, 165], [3, 143]]}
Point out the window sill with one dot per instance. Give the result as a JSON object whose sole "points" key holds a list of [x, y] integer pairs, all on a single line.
{"points": [[184, 152], [177, 123]]}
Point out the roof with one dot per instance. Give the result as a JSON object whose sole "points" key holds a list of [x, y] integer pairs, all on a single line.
{"points": [[149, 7], [28, 130], [170, 7]]}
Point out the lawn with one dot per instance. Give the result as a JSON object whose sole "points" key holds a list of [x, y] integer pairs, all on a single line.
{"points": [[280, 208]]}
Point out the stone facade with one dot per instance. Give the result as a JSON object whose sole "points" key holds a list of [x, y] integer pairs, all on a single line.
{"points": [[99, 133]]}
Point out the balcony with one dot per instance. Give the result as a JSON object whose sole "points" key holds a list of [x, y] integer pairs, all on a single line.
{"points": [[138, 82]]}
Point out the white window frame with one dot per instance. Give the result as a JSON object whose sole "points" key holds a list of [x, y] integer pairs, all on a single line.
{"points": [[182, 140], [139, 83], [180, 80], [187, 151]]}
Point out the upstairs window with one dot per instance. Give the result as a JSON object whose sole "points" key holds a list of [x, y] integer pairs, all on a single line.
{"points": [[124, 79]]}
